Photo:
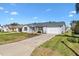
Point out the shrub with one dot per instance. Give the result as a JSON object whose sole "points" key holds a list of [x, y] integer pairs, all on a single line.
{"points": [[75, 27], [39, 31], [78, 40], [73, 40]]}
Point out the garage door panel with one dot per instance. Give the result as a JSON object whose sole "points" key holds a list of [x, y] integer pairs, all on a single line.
{"points": [[53, 30]]}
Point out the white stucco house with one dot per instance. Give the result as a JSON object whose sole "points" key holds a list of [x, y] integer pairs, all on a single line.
{"points": [[45, 27]]}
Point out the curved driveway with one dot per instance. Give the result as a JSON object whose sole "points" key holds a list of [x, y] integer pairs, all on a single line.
{"points": [[25, 47]]}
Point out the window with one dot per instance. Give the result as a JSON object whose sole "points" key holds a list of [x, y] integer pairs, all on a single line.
{"points": [[25, 28]]}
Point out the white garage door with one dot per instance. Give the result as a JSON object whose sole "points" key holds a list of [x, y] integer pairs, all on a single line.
{"points": [[51, 30]]}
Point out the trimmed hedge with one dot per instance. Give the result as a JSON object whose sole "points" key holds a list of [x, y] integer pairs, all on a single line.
{"points": [[73, 40]]}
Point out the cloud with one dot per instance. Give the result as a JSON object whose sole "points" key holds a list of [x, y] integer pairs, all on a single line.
{"points": [[73, 12], [13, 4], [48, 10], [35, 17], [11, 18], [6, 11], [1, 8], [14, 13], [71, 15]]}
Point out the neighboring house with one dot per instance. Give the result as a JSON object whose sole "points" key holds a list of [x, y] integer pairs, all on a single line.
{"points": [[46, 27], [12, 28], [1, 28]]}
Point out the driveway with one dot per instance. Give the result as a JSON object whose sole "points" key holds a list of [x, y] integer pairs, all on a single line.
{"points": [[25, 47]]}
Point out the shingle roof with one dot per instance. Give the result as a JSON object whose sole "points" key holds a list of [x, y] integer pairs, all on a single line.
{"points": [[44, 24], [47, 24]]}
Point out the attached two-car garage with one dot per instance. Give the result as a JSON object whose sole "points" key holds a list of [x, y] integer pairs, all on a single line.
{"points": [[55, 30]]}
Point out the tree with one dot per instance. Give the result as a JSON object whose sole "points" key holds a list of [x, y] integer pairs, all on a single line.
{"points": [[77, 27], [73, 23], [77, 8], [14, 24]]}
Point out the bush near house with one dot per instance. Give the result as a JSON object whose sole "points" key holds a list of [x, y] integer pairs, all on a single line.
{"points": [[75, 32], [75, 27], [73, 40]]}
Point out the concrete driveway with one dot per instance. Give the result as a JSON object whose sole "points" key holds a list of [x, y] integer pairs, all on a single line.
{"points": [[25, 47]]}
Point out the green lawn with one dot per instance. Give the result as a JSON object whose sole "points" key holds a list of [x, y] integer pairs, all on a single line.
{"points": [[6, 37], [54, 47]]}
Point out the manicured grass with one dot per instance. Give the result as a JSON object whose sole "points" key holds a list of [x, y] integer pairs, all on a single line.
{"points": [[57, 47], [13, 37]]}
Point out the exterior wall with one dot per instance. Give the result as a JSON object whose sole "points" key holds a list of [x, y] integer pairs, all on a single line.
{"points": [[44, 29], [17, 30], [63, 28], [47, 30], [5, 29]]}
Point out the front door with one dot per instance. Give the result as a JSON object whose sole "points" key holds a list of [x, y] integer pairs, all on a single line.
{"points": [[20, 29]]}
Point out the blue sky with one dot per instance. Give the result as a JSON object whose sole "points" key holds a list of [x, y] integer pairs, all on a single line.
{"points": [[36, 12]]}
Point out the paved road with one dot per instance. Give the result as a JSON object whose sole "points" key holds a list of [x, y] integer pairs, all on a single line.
{"points": [[25, 47]]}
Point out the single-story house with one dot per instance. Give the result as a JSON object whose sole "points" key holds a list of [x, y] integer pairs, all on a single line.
{"points": [[45, 27]]}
